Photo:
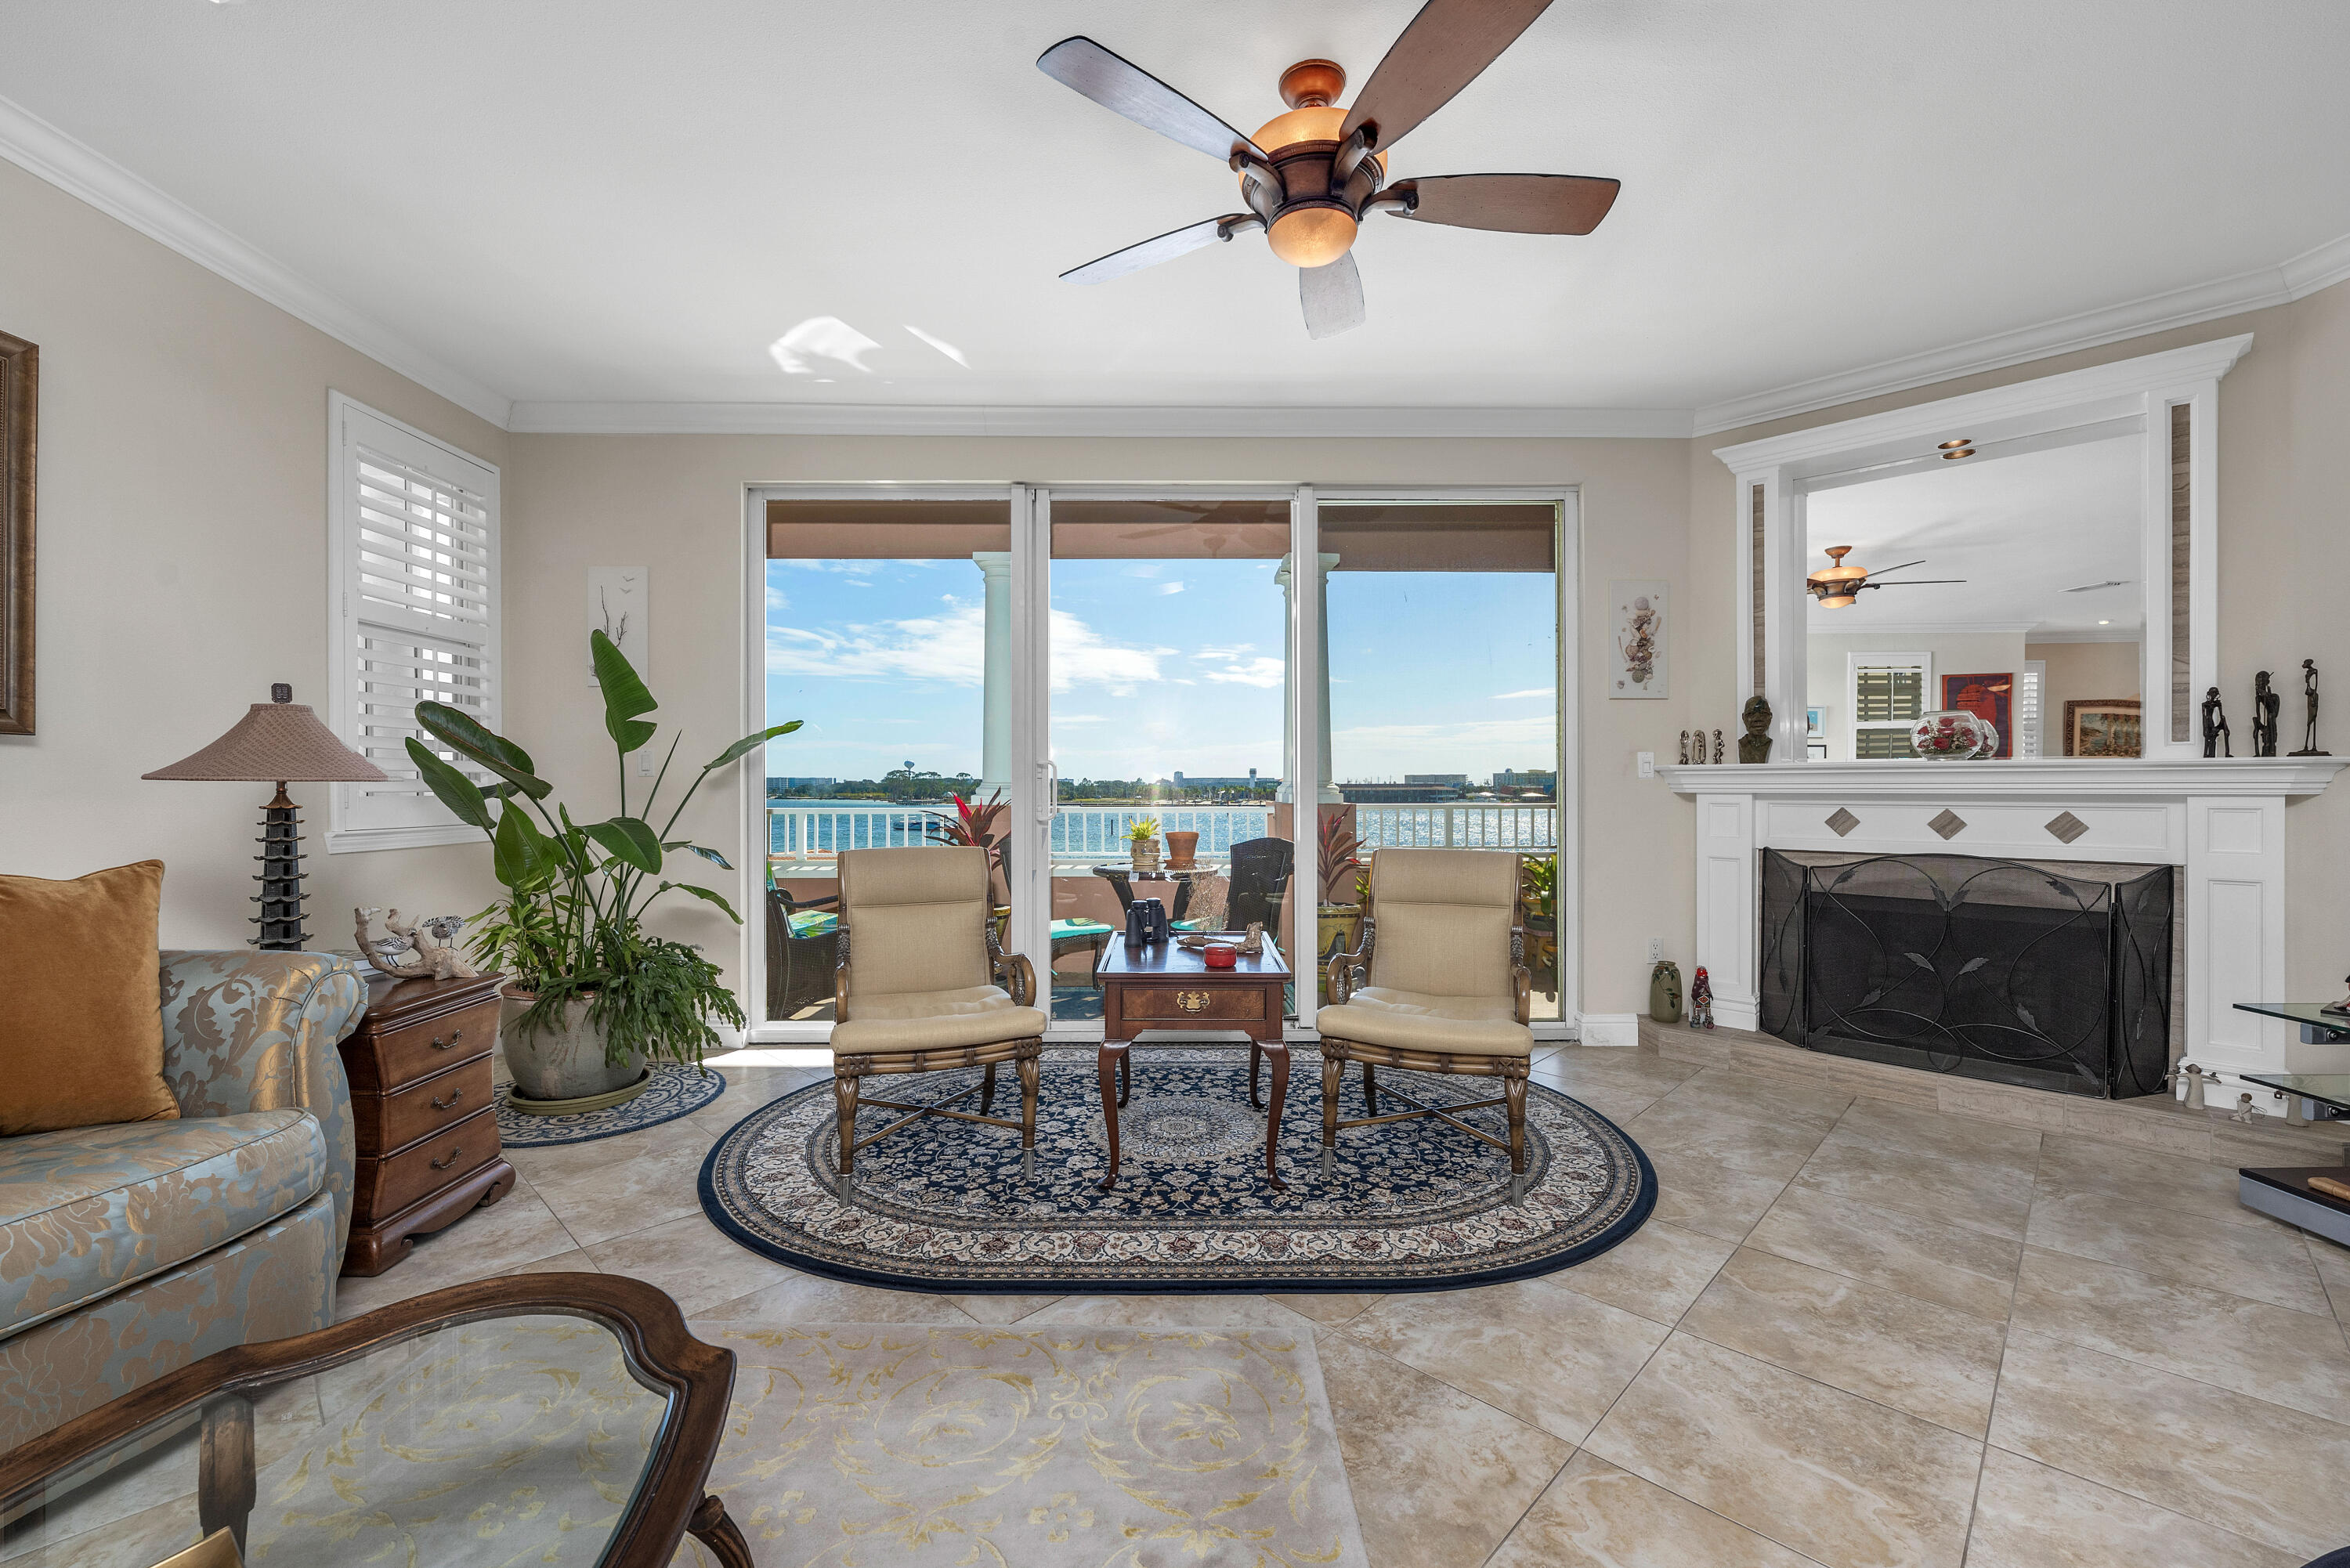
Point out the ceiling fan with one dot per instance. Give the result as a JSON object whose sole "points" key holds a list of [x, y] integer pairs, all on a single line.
{"points": [[1308, 177], [1839, 585]]}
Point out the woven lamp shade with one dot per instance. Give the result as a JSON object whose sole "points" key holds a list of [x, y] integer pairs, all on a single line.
{"points": [[276, 743]]}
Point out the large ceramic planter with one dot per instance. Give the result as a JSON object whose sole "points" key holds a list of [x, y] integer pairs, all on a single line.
{"points": [[1337, 928], [564, 1066], [1144, 853], [1183, 851]]}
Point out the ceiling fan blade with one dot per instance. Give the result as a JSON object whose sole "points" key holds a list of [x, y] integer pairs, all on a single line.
{"points": [[1902, 567], [1124, 87], [1912, 583], [1160, 248], [1332, 297], [1513, 203], [1440, 51]]}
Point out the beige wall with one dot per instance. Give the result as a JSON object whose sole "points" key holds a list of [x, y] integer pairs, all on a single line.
{"points": [[183, 567], [1954, 653], [2285, 557], [2084, 671], [578, 500]]}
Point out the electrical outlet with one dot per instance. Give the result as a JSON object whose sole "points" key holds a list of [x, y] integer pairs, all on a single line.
{"points": [[1655, 949], [1647, 764]]}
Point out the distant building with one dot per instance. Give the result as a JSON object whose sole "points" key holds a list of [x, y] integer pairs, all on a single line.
{"points": [[1458, 781], [1526, 778], [1397, 793], [784, 786]]}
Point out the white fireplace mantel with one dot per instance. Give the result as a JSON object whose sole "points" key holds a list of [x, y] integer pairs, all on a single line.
{"points": [[2221, 821]]}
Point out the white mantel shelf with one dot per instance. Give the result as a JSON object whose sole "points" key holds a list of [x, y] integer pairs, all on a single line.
{"points": [[2220, 820]]}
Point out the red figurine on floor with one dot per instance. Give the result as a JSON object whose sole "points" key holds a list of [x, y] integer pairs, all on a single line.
{"points": [[1700, 1001]]}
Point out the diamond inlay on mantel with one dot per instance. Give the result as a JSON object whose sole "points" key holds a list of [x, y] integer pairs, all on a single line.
{"points": [[1842, 822], [2066, 827], [1948, 824]]}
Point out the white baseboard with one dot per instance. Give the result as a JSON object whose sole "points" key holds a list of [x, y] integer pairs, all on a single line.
{"points": [[1610, 1028]]}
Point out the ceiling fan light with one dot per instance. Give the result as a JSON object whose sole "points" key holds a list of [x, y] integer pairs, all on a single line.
{"points": [[1312, 236], [1315, 122], [1838, 601]]}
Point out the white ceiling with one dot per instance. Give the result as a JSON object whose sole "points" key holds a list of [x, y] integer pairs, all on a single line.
{"points": [[586, 201], [2020, 530]]}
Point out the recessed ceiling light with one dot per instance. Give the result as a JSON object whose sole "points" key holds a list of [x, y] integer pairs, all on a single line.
{"points": [[2105, 623]]}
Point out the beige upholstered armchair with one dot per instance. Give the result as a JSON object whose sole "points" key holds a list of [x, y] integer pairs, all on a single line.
{"points": [[922, 986], [1437, 986]]}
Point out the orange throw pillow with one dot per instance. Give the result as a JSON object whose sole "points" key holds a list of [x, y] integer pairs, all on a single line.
{"points": [[81, 1001]]}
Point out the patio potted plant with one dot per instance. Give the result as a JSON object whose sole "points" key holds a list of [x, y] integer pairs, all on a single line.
{"points": [[1338, 926], [1142, 840], [975, 824], [1538, 887], [590, 995]]}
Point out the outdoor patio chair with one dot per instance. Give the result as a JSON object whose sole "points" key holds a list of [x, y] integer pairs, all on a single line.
{"points": [[802, 950], [1259, 881], [1438, 985], [922, 986]]}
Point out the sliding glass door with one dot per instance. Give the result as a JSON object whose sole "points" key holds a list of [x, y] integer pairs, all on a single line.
{"points": [[1055, 671]]}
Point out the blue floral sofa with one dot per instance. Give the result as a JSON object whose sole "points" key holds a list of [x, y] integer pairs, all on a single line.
{"points": [[128, 1251]]}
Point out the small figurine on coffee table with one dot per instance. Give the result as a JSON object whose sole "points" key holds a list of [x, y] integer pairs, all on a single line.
{"points": [[1700, 1001]]}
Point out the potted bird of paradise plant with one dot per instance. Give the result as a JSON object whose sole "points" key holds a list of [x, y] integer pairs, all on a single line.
{"points": [[1338, 925], [591, 995]]}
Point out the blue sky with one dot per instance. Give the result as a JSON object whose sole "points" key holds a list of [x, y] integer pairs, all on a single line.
{"points": [[1160, 665]]}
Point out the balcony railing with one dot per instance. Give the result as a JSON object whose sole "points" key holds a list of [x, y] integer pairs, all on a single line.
{"points": [[805, 840]]}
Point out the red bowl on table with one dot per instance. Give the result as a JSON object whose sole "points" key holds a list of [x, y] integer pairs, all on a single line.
{"points": [[1220, 955]]}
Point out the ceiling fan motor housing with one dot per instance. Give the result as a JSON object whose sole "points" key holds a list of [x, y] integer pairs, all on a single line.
{"points": [[1310, 225]]}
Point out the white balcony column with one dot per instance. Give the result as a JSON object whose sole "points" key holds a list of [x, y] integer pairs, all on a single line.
{"points": [[1324, 793], [995, 702]]}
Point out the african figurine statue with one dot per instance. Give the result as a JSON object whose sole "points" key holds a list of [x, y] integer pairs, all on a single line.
{"points": [[2264, 716], [2309, 693], [2215, 726]]}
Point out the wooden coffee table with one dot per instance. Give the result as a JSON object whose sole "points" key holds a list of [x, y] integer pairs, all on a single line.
{"points": [[406, 1436], [1165, 987]]}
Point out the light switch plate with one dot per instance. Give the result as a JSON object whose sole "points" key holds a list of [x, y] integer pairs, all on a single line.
{"points": [[1647, 764]]}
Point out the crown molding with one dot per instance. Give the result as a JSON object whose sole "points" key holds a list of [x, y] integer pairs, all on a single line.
{"points": [[2320, 267], [2096, 388], [2135, 633], [82, 171], [1171, 421]]}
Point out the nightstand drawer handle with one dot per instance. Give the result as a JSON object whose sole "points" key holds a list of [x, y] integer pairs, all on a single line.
{"points": [[454, 1154], [454, 1035], [455, 1096]]}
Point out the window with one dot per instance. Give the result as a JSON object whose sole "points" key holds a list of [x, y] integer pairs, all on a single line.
{"points": [[1888, 695], [413, 557], [2030, 708]]}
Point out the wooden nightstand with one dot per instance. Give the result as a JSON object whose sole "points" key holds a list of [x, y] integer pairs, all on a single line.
{"points": [[419, 1064]]}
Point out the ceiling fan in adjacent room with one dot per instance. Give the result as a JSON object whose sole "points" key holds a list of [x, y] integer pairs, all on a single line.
{"points": [[1308, 177], [1839, 585]]}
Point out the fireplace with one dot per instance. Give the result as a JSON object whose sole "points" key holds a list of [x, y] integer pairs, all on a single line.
{"points": [[2001, 970]]}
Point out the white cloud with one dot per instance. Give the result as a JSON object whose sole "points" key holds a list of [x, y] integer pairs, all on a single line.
{"points": [[1082, 656], [1232, 650], [948, 646], [1170, 587], [1529, 691], [1260, 671], [825, 338]]}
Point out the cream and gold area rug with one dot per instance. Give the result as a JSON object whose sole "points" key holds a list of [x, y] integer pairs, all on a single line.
{"points": [[857, 1445]]}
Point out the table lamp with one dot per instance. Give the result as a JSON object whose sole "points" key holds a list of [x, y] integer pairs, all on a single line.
{"points": [[280, 742]]}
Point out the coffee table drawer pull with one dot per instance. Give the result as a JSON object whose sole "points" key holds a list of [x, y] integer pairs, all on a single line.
{"points": [[1193, 1001], [454, 1156], [455, 1096], [449, 1043]]}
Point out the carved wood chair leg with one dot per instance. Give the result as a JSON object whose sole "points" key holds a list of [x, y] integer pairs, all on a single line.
{"points": [[987, 1088], [1333, 1070], [1370, 1090], [1031, 1071], [712, 1526], [844, 1100]]}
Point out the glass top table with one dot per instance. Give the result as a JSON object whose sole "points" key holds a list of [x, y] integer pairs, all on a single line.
{"points": [[2308, 1014], [548, 1419]]}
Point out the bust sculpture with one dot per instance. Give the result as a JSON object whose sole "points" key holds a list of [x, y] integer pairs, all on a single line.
{"points": [[1754, 746]]}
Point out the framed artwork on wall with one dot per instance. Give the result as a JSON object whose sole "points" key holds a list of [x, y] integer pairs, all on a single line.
{"points": [[1991, 698], [20, 394], [1636, 632], [620, 605], [2102, 727]]}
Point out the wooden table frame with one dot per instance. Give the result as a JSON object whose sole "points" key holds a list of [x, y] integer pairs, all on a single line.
{"points": [[1165, 990], [669, 1503]]}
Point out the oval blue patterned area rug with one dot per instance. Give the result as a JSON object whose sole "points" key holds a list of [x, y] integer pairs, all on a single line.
{"points": [[676, 1090], [1411, 1205]]}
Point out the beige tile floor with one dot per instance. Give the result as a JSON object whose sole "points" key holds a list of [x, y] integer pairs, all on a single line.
{"points": [[1856, 1334]]}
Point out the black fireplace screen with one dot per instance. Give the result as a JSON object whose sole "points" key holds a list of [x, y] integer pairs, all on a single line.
{"points": [[1986, 969]]}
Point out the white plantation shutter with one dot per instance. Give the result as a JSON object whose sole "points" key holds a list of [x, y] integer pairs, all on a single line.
{"points": [[2029, 708], [414, 560]]}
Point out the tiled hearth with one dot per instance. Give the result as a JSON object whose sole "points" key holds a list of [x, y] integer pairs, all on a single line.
{"points": [[1868, 1325]]}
